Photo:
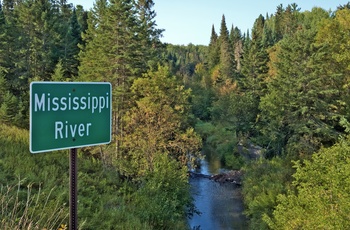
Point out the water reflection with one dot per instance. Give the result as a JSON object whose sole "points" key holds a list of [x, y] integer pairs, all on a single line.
{"points": [[220, 204]]}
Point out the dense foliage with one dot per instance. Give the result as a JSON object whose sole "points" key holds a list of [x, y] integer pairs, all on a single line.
{"points": [[137, 182], [284, 86], [319, 196]]}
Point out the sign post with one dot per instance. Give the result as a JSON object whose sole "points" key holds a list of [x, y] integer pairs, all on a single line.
{"points": [[73, 203], [69, 115]]}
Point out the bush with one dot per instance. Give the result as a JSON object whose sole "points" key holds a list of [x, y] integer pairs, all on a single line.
{"points": [[263, 181], [164, 196], [105, 200], [320, 196]]}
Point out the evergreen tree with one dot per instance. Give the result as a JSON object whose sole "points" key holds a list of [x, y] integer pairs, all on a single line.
{"points": [[37, 21], [333, 40], [227, 66], [278, 21], [4, 42], [237, 45], [58, 75], [295, 106], [214, 50], [72, 38], [252, 82], [112, 53], [9, 55], [149, 35], [82, 17], [14, 104], [286, 21], [255, 59]]}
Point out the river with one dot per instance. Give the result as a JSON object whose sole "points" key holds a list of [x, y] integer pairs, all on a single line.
{"points": [[221, 205]]}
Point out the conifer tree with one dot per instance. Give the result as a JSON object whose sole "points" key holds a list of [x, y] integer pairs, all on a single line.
{"points": [[214, 49], [82, 16], [9, 46], [58, 75], [285, 21], [71, 50], [227, 67], [37, 20], [332, 37], [4, 43], [112, 53], [296, 107], [149, 35], [255, 59], [237, 45]]}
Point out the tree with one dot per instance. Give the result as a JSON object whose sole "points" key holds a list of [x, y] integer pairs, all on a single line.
{"points": [[319, 198], [286, 21], [37, 22], [227, 66], [255, 59], [252, 82], [296, 105], [214, 50], [264, 181], [112, 53], [332, 38], [237, 45], [149, 34], [71, 50], [9, 55], [157, 123]]}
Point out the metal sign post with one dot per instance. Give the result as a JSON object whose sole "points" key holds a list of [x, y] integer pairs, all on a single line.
{"points": [[73, 180]]}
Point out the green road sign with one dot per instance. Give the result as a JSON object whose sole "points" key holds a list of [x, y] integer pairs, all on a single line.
{"points": [[69, 115]]}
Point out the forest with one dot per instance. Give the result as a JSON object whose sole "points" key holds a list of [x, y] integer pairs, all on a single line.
{"points": [[283, 86]]}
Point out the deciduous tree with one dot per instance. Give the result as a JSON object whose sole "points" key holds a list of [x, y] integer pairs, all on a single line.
{"points": [[158, 123]]}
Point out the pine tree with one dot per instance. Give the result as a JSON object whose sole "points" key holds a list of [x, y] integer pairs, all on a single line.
{"points": [[237, 45], [112, 53], [3, 40], [227, 68], [255, 59], [214, 50], [286, 21], [149, 35], [296, 106], [82, 17], [72, 38], [9, 45], [39, 42], [58, 75]]}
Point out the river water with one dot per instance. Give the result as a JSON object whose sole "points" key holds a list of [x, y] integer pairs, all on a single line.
{"points": [[221, 205]]}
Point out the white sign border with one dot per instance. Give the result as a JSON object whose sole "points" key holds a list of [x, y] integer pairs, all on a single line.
{"points": [[68, 83]]}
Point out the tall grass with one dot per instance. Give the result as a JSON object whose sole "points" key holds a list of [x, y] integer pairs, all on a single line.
{"points": [[30, 213], [33, 202]]}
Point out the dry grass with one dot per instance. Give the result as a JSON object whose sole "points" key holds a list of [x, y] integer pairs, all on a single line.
{"points": [[32, 212]]}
